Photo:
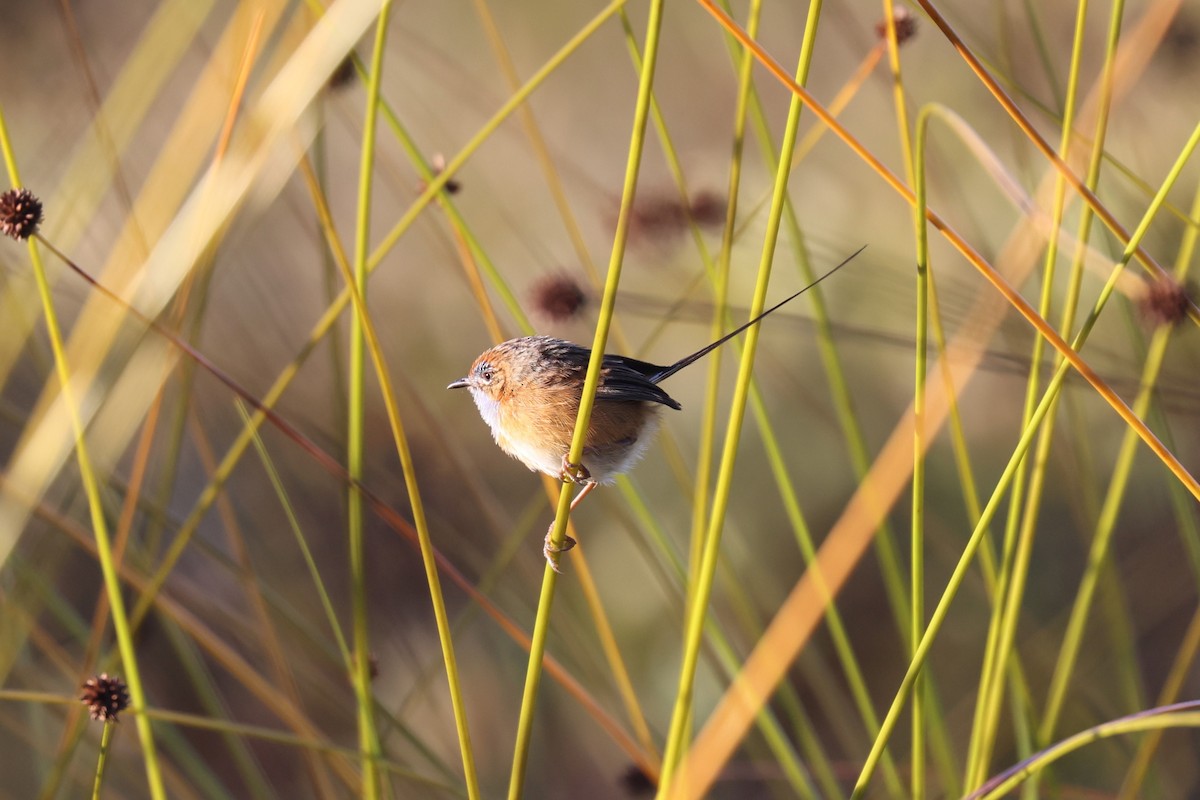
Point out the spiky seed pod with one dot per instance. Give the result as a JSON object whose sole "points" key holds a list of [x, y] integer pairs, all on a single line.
{"points": [[105, 696], [20, 213]]}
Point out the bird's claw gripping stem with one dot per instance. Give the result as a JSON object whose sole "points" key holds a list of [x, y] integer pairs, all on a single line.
{"points": [[551, 551], [574, 473]]}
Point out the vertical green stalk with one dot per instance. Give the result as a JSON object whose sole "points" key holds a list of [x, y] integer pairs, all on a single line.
{"points": [[678, 737], [368, 737], [587, 400], [918, 477], [917, 557], [885, 551], [91, 488], [102, 759]]}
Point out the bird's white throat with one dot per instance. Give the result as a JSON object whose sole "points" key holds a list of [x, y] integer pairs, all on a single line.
{"points": [[489, 408]]}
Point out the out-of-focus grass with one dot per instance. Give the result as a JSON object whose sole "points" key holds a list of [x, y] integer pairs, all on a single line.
{"points": [[171, 146]]}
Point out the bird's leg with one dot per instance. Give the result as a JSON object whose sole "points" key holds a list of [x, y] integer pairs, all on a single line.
{"points": [[549, 549]]}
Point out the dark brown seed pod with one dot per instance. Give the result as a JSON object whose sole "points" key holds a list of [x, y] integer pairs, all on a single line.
{"points": [[343, 75], [708, 209], [637, 783], [906, 25], [20, 213], [106, 696], [1166, 301], [559, 298]]}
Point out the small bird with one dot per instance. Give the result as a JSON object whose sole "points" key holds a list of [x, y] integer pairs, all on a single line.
{"points": [[528, 391]]}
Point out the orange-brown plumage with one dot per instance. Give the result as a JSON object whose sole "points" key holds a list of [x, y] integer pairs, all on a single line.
{"points": [[528, 391]]}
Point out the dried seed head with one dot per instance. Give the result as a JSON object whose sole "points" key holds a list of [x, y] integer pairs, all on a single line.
{"points": [[105, 696], [708, 209], [343, 75], [558, 297], [1181, 39], [20, 213], [637, 783], [1166, 301], [906, 25], [657, 219]]}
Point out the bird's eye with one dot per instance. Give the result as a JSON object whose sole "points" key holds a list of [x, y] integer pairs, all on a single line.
{"points": [[485, 372]]}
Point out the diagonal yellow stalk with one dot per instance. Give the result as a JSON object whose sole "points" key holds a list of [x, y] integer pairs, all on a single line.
{"points": [[408, 467], [587, 401], [789, 761]]}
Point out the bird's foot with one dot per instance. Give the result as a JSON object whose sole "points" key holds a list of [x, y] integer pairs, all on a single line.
{"points": [[552, 551], [574, 473]]}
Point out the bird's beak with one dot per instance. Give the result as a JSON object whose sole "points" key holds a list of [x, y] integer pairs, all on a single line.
{"points": [[461, 383]]}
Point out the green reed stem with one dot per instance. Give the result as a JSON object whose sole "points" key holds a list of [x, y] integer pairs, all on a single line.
{"points": [[102, 759], [918, 492], [368, 737], [791, 766], [885, 549], [310, 562], [708, 414], [91, 488], [921, 345]]}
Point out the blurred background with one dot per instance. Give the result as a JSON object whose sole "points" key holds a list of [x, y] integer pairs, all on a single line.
{"points": [[184, 151]]}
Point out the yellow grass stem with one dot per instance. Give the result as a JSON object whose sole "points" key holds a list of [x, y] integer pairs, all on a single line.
{"points": [[587, 401]]}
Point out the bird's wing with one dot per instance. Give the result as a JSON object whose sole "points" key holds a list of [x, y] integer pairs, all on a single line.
{"points": [[629, 379]]}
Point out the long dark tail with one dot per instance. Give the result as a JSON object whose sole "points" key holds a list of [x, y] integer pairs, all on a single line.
{"points": [[683, 362]]}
